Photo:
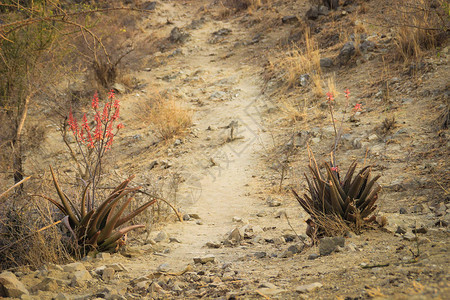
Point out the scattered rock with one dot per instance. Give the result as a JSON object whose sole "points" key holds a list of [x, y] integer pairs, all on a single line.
{"points": [[149, 5], [237, 219], [297, 248], [346, 53], [304, 79], [174, 240], [177, 35], [163, 267], [186, 217], [204, 259], [195, 216], [74, 267], [118, 267], [213, 244], [273, 202], [119, 88], [219, 35], [326, 62], [307, 288], [312, 13], [400, 230], [235, 236], [420, 230], [108, 274], [103, 255], [289, 20], [367, 46], [403, 211], [161, 237], [260, 254], [313, 256], [80, 278], [409, 236], [323, 10], [329, 244]]}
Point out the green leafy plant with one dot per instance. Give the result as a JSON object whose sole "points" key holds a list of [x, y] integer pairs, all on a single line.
{"points": [[351, 199], [97, 228]]}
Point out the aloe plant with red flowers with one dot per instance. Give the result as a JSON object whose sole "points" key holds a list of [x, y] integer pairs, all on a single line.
{"points": [[96, 226]]}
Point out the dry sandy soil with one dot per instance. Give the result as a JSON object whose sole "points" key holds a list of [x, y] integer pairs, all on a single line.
{"points": [[225, 78]]}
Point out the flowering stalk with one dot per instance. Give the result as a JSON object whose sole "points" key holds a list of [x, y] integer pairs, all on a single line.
{"points": [[98, 139]]}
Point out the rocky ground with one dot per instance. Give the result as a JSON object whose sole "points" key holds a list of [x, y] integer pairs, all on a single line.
{"points": [[239, 237]]}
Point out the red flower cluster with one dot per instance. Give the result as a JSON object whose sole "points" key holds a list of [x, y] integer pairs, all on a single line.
{"points": [[330, 96], [102, 134], [357, 107]]}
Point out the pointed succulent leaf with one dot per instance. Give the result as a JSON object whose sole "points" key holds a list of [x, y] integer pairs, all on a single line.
{"points": [[112, 221], [367, 189], [336, 182], [370, 200], [83, 200], [348, 177], [63, 198], [118, 234], [356, 185], [335, 201], [135, 213]]}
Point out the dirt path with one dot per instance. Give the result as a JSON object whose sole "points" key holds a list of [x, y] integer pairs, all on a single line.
{"points": [[220, 168]]}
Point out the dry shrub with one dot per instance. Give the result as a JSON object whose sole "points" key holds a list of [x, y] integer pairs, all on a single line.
{"points": [[292, 109], [297, 62], [23, 237], [421, 24], [167, 117]]}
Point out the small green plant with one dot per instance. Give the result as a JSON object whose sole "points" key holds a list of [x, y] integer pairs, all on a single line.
{"points": [[351, 199]]}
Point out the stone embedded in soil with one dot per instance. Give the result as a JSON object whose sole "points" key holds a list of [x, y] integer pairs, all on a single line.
{"points": [[289, 19], [273, 202], [174, 240], [103, 255], [74, 267], [400, 230], [108, 274], [195, 216], [327, 245], [161, 237], [163, 267], [313, 256], [409, 236], [297, 248], [403, 211], [186, 217], [420, 230], [213, 244], [10, 286], [260, 254], [308, 288], [235, 236], [80, 278], [204, 259], [346, 53]]}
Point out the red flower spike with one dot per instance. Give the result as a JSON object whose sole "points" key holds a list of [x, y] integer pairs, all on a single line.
{"points": [[357, 107], [98, 129], [116, 104], [335, 169], [111, 94], [347, 93], [330, 96], [120, 126], [95, 101]]}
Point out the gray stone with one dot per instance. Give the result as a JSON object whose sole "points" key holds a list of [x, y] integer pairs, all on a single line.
{"points": [[327, 245], [323, 10], [149, 5], [103, 255], [312, 13], [119, 88], [304, 79], [409, 236], [400, 230], [74, 267], [326, 62], [186, 217], [80, 278], [204, 259], [163, 267], [289, 20], [307, 288], [48, 284], [297, 248], [177, 35], [213, 244], [346, 53], [108, 274], [313, 256], [403, 211], [195, 216], [273, 202], [235, 236], [367, 46], [118, 267], [260, 254], [10, 286], [420, 230], [161, 237]]}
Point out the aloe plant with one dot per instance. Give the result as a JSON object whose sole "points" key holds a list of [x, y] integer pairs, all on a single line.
{"points": [[98, 227], [352, 199]]}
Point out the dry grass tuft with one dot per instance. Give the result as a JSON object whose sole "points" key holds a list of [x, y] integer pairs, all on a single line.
{"points": [[168, 118], [420, 26]]}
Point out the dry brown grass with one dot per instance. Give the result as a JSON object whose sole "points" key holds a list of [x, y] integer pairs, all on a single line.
{"points": [[419, 25], [167, 117], [246, 4], [297, 61]]}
